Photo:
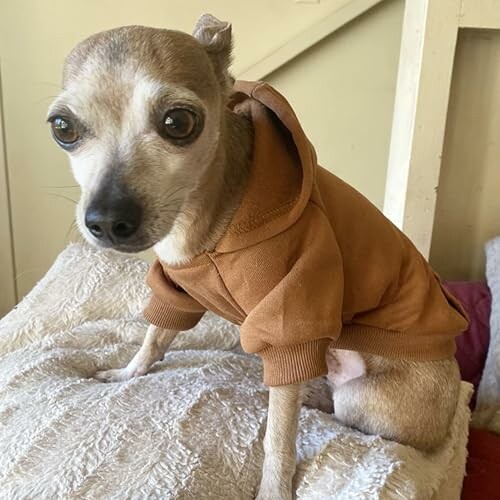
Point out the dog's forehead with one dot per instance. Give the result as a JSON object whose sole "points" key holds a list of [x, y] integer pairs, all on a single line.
{"points": [[115, 61], [115, 97]]}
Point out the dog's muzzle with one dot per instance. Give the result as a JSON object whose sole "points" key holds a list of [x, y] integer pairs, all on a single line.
{"points": [[114, 221]]}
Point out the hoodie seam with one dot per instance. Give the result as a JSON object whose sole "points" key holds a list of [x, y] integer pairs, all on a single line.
{"points": [[254, 222], [235, 303], [187, 266]]}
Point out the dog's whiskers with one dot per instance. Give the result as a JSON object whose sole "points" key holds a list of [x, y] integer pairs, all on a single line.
{"points": [[51, 84], [56, 195], [72, 227], [46, 98]]}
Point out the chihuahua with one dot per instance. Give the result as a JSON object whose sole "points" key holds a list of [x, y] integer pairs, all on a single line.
{"points": [[155, 147]]}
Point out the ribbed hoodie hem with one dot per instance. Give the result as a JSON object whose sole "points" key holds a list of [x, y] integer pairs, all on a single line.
{"points": [[396, 345], [284, 365], [165, 316]]}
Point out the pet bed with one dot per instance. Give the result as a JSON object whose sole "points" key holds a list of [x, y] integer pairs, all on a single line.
{"points": [[478, 354], [191, 429], [487, 412]]}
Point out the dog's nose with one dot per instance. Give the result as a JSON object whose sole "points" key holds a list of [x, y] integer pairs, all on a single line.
{"points": [[116, 222]]}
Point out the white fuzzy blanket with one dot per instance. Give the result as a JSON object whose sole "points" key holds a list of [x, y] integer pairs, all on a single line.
{"points": [[487, 413], [192, 429]]}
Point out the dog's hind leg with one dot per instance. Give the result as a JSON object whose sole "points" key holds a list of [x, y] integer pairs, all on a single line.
{"points": [[155, 345], [409, 402], [279, 442]]}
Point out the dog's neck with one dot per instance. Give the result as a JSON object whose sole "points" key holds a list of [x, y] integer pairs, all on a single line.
{"points": [[208, 210]]}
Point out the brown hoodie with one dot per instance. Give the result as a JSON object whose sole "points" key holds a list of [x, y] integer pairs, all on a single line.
{"points": [[307, 260]]}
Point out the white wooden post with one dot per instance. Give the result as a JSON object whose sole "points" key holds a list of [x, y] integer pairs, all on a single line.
{"points": [[430, 30], [425, 69]]}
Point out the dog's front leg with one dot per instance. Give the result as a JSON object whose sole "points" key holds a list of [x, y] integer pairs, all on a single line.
{"points": [[279, 443], [156, 342]]}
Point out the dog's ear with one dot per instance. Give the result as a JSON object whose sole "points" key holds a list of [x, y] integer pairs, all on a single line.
{"points": [[216, 38]]}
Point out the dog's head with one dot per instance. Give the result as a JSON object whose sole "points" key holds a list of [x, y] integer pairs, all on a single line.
{"points": [[140, 117]]}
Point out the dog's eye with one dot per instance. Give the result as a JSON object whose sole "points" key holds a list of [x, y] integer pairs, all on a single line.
{"points": [[64, 131], [179, 124]]}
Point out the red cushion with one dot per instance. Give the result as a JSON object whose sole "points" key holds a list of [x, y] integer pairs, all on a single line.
{"points": [[483, 467], [472, 345]]}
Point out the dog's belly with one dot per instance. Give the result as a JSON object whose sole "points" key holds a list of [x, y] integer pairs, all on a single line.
{"points": [[344, 365]]}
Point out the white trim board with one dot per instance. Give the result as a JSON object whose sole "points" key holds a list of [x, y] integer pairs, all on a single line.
{"points": [[481, 14], [306, 39]]}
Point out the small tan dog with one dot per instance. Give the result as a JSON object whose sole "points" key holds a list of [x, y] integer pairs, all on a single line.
{"points": [[162, 161]]}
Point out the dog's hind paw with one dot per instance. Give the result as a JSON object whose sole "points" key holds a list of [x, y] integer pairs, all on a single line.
{"points": [[116, 375]]}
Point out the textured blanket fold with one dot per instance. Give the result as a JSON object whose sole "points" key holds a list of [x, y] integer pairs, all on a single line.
{"points": [[191, 429], [487, 412]]}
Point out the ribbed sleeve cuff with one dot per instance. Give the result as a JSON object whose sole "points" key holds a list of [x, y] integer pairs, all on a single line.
{"points": [[166, 316], [284, 365]]}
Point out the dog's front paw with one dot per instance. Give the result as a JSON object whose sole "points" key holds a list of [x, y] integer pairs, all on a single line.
{"points": [[274, 492], [117, 375], [270, 495]]}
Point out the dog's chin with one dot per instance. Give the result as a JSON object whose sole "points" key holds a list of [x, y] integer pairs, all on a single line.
{"points": [[124, 248], [129, 247]]}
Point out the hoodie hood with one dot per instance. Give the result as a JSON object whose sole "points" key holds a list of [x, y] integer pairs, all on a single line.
{"points": [[282, 172]]}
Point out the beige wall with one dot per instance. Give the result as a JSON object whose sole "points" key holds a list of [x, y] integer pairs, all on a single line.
{"points": [[468, 201], [346, 83], [343, 91]]}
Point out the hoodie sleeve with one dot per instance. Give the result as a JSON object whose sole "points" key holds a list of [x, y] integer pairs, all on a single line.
{"points": [[170, 307], [292, 325]]}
